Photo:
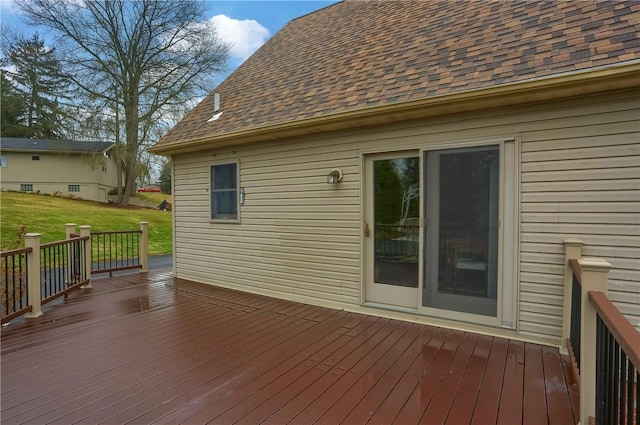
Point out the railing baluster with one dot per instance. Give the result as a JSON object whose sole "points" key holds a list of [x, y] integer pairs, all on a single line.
{"points": [[612, 370], [619, 384], [629, 393], [576, 311]]}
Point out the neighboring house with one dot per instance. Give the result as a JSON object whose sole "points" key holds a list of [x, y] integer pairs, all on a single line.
{"points": [[82, 169], [468, 140]]}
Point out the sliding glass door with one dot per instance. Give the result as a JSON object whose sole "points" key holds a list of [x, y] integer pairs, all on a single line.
{"points": [[432, 232]]}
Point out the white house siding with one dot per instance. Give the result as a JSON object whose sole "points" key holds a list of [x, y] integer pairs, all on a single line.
{"points": [[54, 172], [299, 238]]}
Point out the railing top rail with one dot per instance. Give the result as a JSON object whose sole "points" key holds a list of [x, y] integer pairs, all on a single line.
{"points": [[15, 251], [621, 329], [113, 232], [577, 271], [63, 242]]}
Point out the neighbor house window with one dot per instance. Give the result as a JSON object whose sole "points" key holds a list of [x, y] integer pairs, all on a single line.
{"points": [[224, 191], [26, 187], [74, 188], [35, 158], [3, 161]]}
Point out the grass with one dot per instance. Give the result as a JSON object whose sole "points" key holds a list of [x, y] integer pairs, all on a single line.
{"points": [[153, 197], [48, 215]]}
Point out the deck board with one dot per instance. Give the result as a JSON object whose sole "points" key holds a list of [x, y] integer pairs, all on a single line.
{"points": [[558, 401], [421, 397], [535, 402], [464, 402], [438, 409], [147, 348], [488, 403], [511, 399], [371, 389]]}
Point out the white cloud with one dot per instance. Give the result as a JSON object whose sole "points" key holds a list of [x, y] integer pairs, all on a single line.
{"points": [[8, 6], [245, 37]]}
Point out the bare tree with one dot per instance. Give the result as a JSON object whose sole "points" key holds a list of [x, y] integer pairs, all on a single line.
{"points": [[136, 62]]}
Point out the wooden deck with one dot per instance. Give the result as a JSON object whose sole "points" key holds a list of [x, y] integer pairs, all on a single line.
{"points": [[148, 348]]}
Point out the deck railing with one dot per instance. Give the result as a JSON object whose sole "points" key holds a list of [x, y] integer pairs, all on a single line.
{"points": [[38, 274], [603, 344], [13, 288], [116, 250], [617, 364], [63, 267]]}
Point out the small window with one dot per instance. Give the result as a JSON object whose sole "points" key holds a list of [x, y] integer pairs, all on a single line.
{"points": [[74, 188], [26, 187], [224, 191], [35, 158], [104, 166], [3, 161]]}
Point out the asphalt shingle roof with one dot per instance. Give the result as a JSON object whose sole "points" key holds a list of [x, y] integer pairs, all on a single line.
{"points": [[358, 54], [41, 145]]}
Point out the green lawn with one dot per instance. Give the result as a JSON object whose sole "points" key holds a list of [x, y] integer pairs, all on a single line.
{"points": [[48, 215], [153, 197]]}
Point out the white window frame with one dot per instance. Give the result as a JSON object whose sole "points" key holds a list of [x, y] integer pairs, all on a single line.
{"points": [[3, 161], [73, 188], [212, 191], [26, 187]]}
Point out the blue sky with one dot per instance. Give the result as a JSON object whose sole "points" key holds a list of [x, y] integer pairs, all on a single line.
{"points": [[244, 24]]}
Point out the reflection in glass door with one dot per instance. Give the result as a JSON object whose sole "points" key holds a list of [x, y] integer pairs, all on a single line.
{"points": [[397, 221], [393, 230], [461, 252]]}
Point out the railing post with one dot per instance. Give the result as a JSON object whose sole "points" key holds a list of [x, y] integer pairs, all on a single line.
{"points": [[70, 230], [572, 251], [144, 248], [86, 231], [32, 240], [594, 278]]}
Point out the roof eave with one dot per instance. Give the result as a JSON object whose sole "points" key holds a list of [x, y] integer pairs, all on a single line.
{"points": [[579, 83]]}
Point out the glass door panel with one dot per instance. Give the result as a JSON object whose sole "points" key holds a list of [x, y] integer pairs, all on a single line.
{"points": [[396, 221], [392, 229], [462, 209]]}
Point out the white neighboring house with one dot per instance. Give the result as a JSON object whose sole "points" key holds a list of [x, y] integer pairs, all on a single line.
{"points": [[82, 169]]}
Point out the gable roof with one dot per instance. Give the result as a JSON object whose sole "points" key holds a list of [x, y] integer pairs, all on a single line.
{"points": [[16, 144], [362, 55]]}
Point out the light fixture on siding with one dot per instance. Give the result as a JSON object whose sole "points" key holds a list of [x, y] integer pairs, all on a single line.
{"points": [[334, 176], [242, 196], [216, 108]]}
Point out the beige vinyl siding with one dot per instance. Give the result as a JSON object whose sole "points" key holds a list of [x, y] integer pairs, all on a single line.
{"points": [[585, 187], [293, 239], [299, 238]]}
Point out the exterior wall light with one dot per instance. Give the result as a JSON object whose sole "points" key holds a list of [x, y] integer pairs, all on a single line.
{"points": [[242, 196], [334, 176]]}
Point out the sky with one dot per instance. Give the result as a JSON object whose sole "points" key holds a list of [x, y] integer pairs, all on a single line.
{"points": [[246, 25]]}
